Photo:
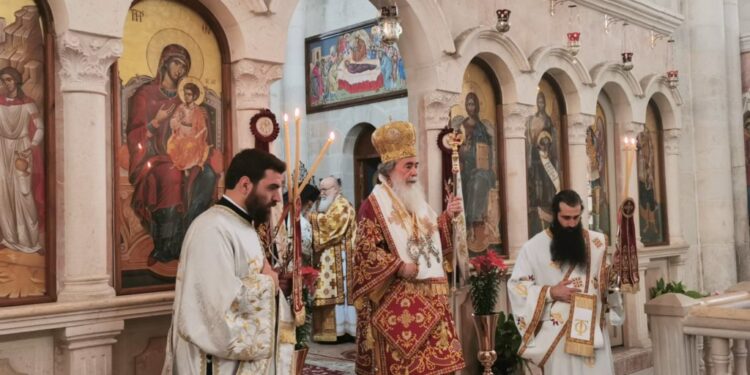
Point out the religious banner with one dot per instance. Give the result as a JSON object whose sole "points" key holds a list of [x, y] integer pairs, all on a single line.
{"points": [[544, 151], [652, 214], [170, 139], [479, 156], [352, 66], [26, 224]]}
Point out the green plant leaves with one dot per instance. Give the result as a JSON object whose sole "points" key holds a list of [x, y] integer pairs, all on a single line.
{"points": [[673, 287]]}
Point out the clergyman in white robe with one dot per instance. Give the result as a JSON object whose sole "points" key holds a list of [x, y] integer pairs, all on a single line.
{"points": [[225, 309], [542, 322]]}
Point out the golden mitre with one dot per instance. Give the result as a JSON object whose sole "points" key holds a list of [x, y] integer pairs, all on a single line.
{"points": [[395, 140]]}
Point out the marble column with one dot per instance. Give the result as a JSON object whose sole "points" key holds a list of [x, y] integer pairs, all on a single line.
{"points": [[577, 159], [252, 80], [293, 87], [712, 137], [672, 181], [514, 131], [435, 116], [87, 349], [736, 137], [636, 326], [86, 174]]}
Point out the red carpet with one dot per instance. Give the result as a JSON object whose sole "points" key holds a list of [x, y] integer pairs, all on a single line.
{"points": [[316, 370]]}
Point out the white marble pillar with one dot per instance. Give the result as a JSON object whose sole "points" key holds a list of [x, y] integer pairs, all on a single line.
{"points": [[87, 349], [578, 161], [636, 324], [736, 136], [672, 181], [711, 130], [514, 130], [84, 240], [293, 87], [252, 80], [435, 116]]}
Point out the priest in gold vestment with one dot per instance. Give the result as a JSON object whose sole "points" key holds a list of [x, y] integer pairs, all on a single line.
{"points": [[333, 227], [399, 283]]}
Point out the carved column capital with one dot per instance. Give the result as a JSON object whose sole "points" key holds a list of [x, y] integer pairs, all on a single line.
{"points": [[672, 141], [252, 81], [577, 125], [437, 106], [632, 129], [514, 119], [85, 60]]}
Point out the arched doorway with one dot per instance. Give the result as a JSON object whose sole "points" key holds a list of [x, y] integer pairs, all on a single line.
{"points": [[366, 162]]}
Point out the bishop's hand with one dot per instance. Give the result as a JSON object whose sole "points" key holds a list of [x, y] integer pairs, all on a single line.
{"points": [[455, 205], [408, 271]]}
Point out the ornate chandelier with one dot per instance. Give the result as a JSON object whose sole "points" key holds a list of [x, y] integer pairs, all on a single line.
{"points": [[389, 24]]}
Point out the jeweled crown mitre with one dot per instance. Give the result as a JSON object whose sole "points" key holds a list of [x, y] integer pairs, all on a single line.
{"points": [[395, 140]]}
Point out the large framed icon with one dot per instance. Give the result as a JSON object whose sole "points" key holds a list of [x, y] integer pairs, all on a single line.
{"points": [[171, 137], [352, 66], [27, 153]]}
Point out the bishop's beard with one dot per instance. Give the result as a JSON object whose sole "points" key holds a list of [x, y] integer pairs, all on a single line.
{"points": [[411, 195], [568, 246]]}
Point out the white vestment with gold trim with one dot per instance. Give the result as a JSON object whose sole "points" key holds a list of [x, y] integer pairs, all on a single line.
{"points": [[224, 306], [543, 323]]}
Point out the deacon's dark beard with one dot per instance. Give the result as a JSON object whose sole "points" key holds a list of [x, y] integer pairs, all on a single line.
{"points": [[257, 210], [568, 246]]}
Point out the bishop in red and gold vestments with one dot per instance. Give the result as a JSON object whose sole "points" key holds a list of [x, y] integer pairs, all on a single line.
{"points": [[399, 283]]}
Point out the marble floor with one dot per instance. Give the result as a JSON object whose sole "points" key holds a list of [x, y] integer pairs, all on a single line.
{"points": [[330, 359]]}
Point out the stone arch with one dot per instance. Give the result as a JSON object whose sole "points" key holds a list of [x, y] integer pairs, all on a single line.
{"points": [[500, 52], [568, 72], [667, 100], [347, 161], [622, 103]]}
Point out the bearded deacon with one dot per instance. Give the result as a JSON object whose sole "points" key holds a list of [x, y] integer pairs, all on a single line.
{"points": [[333, 227], [398, 269], [562, 266], [226, 316]]}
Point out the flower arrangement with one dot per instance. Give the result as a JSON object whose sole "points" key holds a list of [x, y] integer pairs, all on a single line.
{"points": [[484, 281], [309, 277]]}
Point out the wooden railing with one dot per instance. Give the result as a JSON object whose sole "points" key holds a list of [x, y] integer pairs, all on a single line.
{"points": [[701, 336]]}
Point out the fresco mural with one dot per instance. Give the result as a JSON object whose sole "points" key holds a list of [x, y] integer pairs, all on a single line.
{"points": [[544, 166], [650, 184], [352, 66], [25, 259], [476, 117], [170, 138], [598, 166]]}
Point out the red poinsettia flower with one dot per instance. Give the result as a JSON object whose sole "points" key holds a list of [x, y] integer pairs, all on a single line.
{"points": [[489, 262], [484, 281], [309, 277]]}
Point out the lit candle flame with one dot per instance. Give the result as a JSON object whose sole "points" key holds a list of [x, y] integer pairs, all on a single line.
{"points": [[332, 136], [296, 113], [286, 117]]}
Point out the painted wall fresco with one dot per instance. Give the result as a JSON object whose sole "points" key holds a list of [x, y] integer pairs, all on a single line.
{"points": [[170, 139], [598, 167], [476, 117], [544, 166]]}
